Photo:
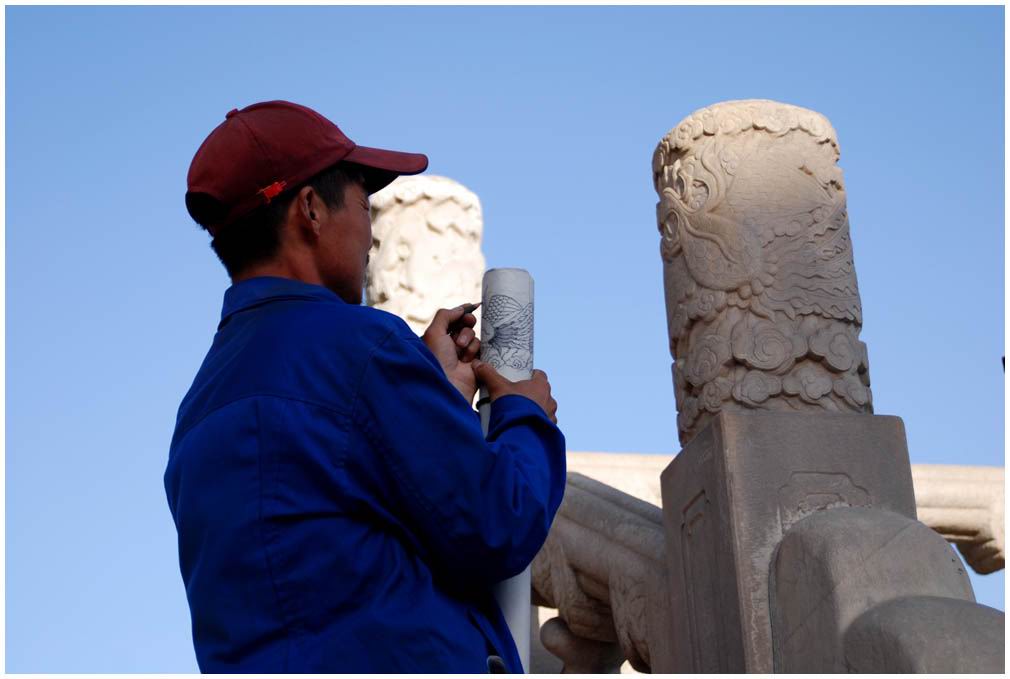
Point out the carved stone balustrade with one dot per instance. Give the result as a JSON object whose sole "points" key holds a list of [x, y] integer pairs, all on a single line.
{"points": [[788, 527], [780, 475], [963, 504], [602, 567]]}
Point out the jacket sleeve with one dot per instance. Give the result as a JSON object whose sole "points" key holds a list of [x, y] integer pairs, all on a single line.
{"points": [[478, 510]]}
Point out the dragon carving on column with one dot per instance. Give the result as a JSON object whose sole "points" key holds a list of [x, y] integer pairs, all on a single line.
{"points": [[763, 309]]}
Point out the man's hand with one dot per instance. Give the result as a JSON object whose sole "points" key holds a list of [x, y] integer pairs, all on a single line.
{"points": [[451, 338], [536, 389]]}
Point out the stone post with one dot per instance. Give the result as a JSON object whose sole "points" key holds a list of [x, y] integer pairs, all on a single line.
{"points": [[762, 305], [426, 249], [781, 513]]}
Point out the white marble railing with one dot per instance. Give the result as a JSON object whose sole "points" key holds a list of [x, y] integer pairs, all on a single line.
{"points": [[602, 565], [963, 504], [602, 569]]}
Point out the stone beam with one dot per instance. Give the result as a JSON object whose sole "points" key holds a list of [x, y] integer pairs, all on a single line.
{"points": [[963, 504], [602, 567], [591, 539]]}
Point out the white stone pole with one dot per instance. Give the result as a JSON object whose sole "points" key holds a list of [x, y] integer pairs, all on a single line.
{"points": [[507, 344]]}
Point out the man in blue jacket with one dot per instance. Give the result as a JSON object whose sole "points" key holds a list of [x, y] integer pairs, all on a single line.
{"points": [[337, 506]]}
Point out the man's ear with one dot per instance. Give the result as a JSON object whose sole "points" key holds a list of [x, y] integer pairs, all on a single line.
{"points": [[307, 210]]}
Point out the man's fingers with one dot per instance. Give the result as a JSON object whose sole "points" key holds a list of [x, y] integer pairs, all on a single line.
{"points": [[450, 321], [471, 351], [464, 321], [465, 336], [487, 375], [443, 318], [541, 376]]}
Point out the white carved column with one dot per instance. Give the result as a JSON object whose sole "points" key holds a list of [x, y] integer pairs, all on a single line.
{"points": [[426, 248], [783, 510], [762, 305]]}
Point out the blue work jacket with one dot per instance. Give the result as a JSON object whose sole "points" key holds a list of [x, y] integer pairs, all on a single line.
{"points": [[337, 505]]}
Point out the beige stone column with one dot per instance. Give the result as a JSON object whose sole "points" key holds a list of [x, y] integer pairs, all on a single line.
{"points": [[762, 305], [781, 510], [426, 248]]}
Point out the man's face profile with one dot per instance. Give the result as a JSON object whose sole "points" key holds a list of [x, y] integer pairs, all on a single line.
{"points": [[345, 238]]}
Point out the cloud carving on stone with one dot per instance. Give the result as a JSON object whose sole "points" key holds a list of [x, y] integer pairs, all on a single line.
{"points": [[763, 308], [426, 248]]}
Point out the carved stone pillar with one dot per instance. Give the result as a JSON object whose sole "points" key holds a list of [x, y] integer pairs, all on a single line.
{"points": [[764, 315], [763, 310], [426, 248]]}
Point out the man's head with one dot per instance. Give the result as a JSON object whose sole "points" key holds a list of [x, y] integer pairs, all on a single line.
{"points": [[319, 232], [284, 192]]}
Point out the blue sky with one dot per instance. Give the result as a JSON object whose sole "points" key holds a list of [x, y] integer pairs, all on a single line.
{"points": [[550, 115]]}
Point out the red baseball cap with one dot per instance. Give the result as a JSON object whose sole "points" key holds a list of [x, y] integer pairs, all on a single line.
{"points": [[268, 148]]}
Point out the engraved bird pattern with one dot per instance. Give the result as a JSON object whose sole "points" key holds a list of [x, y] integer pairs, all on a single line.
{"points": [[508, 333]]}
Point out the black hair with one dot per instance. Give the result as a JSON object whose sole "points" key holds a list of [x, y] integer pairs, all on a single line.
{"points": [[256, 237]]}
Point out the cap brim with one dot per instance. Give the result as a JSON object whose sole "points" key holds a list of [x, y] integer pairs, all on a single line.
{"points": [[385, 166]]}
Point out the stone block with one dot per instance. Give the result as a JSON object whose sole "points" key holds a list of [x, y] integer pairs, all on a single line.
{"points": [[730, 496], [835, 565], [927, 634]]}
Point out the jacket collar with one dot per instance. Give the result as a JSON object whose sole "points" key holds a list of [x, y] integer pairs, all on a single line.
{"points": [[254, 292]]}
